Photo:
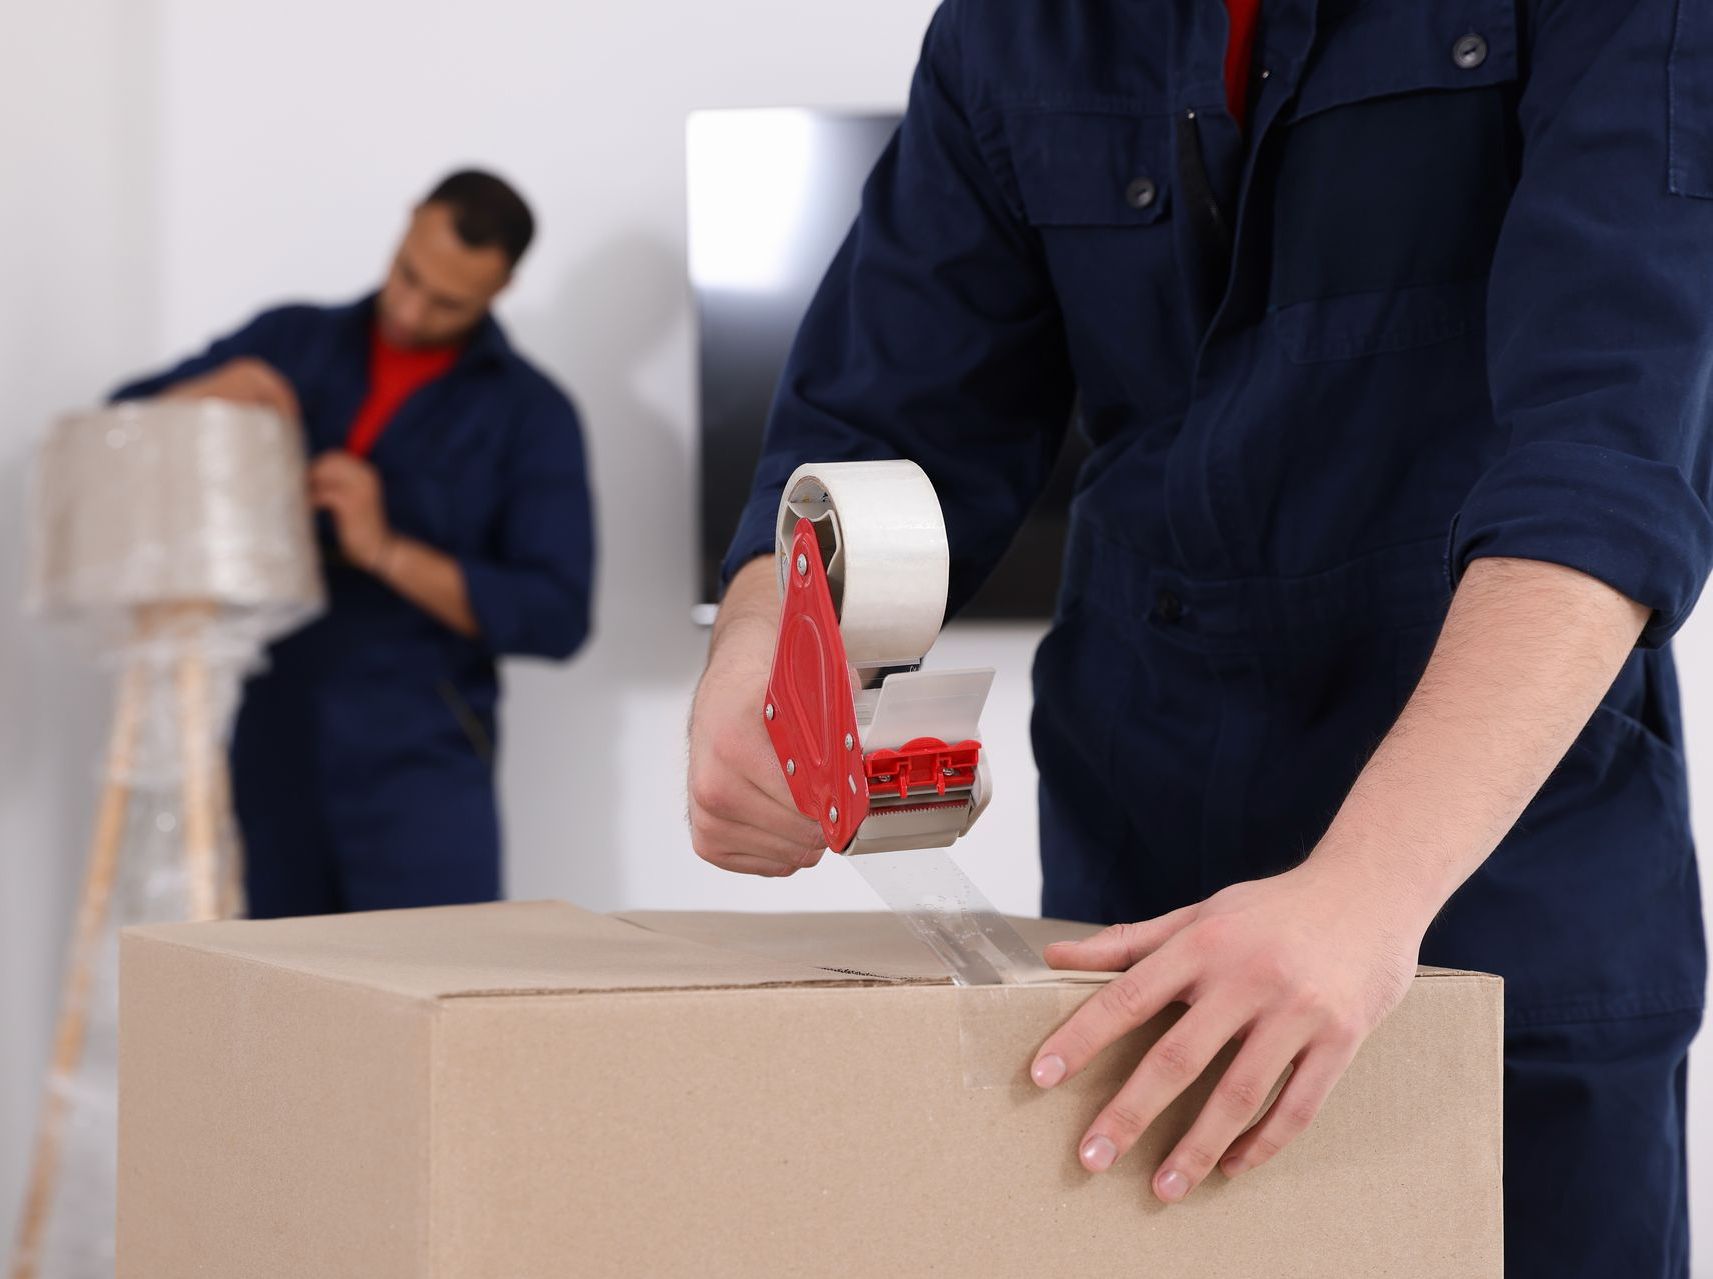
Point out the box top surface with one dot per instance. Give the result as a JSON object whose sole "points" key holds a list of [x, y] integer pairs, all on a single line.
{"points": [[553, 948], [545, 947]]}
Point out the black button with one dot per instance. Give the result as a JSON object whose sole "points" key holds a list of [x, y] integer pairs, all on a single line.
{"points": [[1168, 607], [1140, 193], [1469, 51]]}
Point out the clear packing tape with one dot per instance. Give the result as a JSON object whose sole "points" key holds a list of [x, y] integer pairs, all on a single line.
{"points": [[950, 916], [178, 533]]}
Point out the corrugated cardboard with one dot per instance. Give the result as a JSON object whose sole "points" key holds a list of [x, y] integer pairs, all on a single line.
{"points": [[528, 1089]]}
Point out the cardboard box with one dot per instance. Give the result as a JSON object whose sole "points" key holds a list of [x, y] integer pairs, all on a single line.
{"points": [[528, 1089]]}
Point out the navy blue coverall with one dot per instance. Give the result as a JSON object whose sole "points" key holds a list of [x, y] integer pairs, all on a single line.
{"points": [[362, 757], [1449, 296]]}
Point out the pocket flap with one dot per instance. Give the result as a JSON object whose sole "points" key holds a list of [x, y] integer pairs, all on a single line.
{"points": [[1086, 169], [1405, 46]]}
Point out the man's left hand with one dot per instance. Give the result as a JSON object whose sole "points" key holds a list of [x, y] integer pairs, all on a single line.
{"points": [[351, 489], [1298, 969]]}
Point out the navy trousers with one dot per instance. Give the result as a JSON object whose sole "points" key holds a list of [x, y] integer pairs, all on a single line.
{"points": [[341, 812]]}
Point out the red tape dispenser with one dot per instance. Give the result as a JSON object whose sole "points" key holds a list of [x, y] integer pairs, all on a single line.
{"points": [[885, 756]]}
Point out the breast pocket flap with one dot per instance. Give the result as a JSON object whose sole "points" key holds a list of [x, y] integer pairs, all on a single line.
{"points": [[1088, 169], [1404, 46]]}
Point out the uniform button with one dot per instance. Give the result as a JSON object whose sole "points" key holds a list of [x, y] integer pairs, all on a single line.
{"points": [[1168, 607], [1469, 52], [1140, 194]]}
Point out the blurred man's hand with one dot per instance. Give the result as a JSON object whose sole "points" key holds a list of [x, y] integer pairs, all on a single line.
{"points": [[350, 488], [245, 380], [742, 816]]}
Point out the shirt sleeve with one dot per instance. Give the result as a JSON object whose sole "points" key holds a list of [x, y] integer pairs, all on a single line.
{"points": [[935, 336], [262, 338], [1600, 316], [531, 593]]}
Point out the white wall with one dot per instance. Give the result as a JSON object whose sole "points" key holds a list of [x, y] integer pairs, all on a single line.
{"points": [[226, 154], [77, 273], [1695, 659]]}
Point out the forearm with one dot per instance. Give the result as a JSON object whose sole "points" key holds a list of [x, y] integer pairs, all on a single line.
{"points": [[749, 613], [430, 579], [1526, 653]]}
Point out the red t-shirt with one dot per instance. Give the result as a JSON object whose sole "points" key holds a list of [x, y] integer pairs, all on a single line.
{"points": [[395, 372], [1240, 55]]}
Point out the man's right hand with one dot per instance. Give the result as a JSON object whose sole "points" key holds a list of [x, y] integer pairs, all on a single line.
{"points": [[245, 380], [742, 817]]}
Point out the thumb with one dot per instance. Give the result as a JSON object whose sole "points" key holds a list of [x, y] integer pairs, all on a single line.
{"points": [[1119, 947]]}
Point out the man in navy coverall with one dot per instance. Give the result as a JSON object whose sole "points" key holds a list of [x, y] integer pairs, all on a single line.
{"points": [[1394, 350], [456, 528]]}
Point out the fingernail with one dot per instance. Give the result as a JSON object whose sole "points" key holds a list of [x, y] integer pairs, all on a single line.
{"points": [[1172, 1186], [1098, 1154], [1231, 1167], [1048, 1071]]}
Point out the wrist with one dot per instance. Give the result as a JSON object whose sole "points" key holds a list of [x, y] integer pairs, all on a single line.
{"points": [[741, 657], [1383, 883], [748, 617], [380, 564]]}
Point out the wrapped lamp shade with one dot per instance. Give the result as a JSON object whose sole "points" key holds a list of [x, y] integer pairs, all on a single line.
{"points": [[173, 502]]}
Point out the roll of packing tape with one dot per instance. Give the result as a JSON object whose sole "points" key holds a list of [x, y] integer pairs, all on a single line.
{"points": [[883, 541]]}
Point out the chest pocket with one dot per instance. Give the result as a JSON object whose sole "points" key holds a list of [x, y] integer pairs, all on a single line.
{"points": [[1395, 165], [1096, 188]]}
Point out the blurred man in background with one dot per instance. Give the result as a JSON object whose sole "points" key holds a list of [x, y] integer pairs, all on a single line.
{"points": [[456, 527]]}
